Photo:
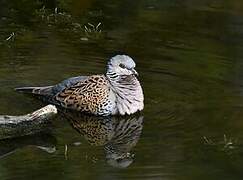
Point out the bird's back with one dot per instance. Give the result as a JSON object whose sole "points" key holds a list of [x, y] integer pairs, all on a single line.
{"points": [[90, 95]]}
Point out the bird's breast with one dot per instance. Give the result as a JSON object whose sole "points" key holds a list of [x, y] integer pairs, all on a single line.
{"points": [[129, 98]]}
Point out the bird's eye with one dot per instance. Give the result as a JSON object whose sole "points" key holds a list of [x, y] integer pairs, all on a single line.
{"points": [[122, 66]]}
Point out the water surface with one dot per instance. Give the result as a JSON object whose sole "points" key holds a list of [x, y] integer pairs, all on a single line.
{"points": [[189, 56]]}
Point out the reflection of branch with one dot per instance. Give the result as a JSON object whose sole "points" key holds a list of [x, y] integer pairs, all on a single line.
{"points": [[43, 141], [49, 150], [14, 126]]}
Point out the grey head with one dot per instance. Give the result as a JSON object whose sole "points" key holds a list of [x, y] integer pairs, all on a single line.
{"points": [[128, 92], [121, 65]]}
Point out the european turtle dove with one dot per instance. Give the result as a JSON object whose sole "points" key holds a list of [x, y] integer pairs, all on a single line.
{"points": [[117, 92]]}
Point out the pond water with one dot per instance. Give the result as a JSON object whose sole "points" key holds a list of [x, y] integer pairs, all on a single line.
{"points": [[189, 56]]}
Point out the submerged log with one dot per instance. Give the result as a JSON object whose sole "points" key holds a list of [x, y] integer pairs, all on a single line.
{"points": [[15, 126]]}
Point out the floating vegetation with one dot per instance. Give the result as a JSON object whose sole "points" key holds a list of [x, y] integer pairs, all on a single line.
{"points": [[11, 37], [7, 41], [92, 30], [62, 22], [65, 22], [54, 18], [226, 145]]}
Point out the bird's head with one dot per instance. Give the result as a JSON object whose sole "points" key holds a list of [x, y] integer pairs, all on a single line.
{"points": [[121, 65]]}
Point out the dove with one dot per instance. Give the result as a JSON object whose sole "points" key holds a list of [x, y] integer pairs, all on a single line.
{"points": [[117, 92]]}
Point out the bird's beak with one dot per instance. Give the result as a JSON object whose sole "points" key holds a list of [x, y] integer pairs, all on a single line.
{"points": [[134, 72]]}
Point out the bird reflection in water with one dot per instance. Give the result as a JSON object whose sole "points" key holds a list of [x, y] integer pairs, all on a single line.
{"points": [[117, 134]]}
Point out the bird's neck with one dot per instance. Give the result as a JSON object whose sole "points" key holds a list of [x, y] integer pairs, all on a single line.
{"points": [[128, 91]]}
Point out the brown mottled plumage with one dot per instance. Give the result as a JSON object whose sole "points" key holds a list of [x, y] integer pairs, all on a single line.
{"points": [[86, 96]]}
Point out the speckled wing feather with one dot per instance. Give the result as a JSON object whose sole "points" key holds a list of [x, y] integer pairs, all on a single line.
{"points": [[90, 95]]}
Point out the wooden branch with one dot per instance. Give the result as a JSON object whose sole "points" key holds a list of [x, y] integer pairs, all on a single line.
{"points": [[15, 126]]}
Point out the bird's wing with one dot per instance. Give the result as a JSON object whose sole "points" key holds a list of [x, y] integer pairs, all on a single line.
{"points": [[87, 95], [67, 83]]}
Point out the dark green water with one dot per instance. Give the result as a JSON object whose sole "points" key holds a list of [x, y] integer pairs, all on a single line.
{"points": [[190, 58]]}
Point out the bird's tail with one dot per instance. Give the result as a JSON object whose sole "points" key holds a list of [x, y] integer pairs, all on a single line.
{"points": [[42, 91]]}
